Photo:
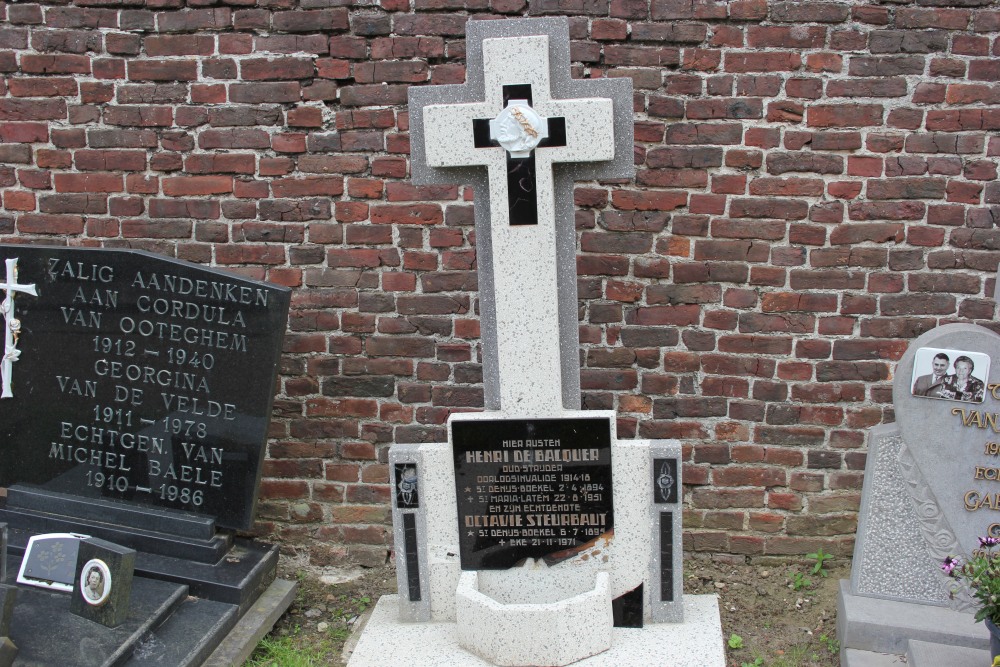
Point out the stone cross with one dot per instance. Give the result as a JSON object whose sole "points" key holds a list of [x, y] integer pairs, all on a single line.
{"points": [[520, 131], [12, 325]]}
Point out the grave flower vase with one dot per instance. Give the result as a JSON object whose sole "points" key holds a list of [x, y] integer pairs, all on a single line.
{"points": [[994, 638]]}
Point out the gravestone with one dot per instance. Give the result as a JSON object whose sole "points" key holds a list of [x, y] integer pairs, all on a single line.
{"points": [[3, 552], [151, 380], [136, 396], [534, 534], [103, 582], [8, 595], [930, 491]]}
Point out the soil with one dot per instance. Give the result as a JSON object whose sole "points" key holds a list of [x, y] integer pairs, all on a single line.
{"points": [[775, 611]]}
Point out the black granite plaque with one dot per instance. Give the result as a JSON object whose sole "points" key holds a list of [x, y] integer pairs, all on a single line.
{"points": [[412, 558], [103, 577], [139, 378], [531, 488], [407, 488], [664, 481], [667, 556], [49, 561]]}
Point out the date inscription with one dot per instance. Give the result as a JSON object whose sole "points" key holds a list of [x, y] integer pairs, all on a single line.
{"points": [[156, 376]]}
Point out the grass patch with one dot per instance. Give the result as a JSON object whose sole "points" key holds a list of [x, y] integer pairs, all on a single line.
{"points": [[285, 652]]}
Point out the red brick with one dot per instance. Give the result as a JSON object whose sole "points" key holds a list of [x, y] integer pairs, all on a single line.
{"points": [[844, 115], [18, 200], [648, 201], [419, 214], [32, 109], [162, 70], [276, 69], [767, 61], [68, 225], [92, 182], [55, 64], [307, 187], [186, 186]]}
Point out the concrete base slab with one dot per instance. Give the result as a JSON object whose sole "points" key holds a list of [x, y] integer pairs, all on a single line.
{"points": [[697, 642], [919, 654], [925, 654], [500, 626], [886, 626], [852, 657]]}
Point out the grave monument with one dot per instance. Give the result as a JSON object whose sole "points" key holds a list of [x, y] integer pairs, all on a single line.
{"points": [[930, 491], [534, 536], [136, 395]]}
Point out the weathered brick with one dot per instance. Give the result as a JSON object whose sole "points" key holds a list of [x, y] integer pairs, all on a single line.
{"points": [[844, 115], [766, 61]]}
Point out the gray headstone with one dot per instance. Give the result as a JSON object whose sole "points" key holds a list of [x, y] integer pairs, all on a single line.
{"points": [[932, 481], [887, 519], [950, 434]]}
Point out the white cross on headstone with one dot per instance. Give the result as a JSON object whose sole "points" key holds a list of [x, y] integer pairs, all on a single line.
{"points": [[12, 325], [519, 131]]}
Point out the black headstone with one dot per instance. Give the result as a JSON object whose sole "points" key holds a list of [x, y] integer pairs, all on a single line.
{"points": [[3, 552], [103, 582], [531, 488], [140, 378]]}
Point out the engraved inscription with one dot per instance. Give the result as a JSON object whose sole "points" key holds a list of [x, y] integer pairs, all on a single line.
{"points": [[531, 489], [158, 377]]}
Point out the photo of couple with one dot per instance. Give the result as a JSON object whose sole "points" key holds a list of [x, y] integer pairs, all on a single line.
{"points": [[953, 375]]}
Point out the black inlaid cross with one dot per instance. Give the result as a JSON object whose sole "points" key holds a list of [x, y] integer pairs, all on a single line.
{"points": [[522, 201]]}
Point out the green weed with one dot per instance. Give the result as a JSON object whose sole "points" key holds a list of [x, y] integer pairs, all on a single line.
{"points": [[800, 581], [819, 567], [792, 657], [831, 644]]}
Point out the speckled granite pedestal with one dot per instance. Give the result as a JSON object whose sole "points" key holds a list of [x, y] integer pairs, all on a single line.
{"points": [[697, 642], [533, 536], [881, 633]]}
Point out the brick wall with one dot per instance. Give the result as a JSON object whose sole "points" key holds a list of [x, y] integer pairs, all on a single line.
{"points": [[816, 186]]}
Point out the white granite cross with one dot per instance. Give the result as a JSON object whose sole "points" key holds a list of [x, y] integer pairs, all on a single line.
{"points": [[519, 164], [12, 325]]}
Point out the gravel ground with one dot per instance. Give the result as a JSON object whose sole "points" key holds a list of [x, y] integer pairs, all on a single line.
{"points": [[775, 612]]}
